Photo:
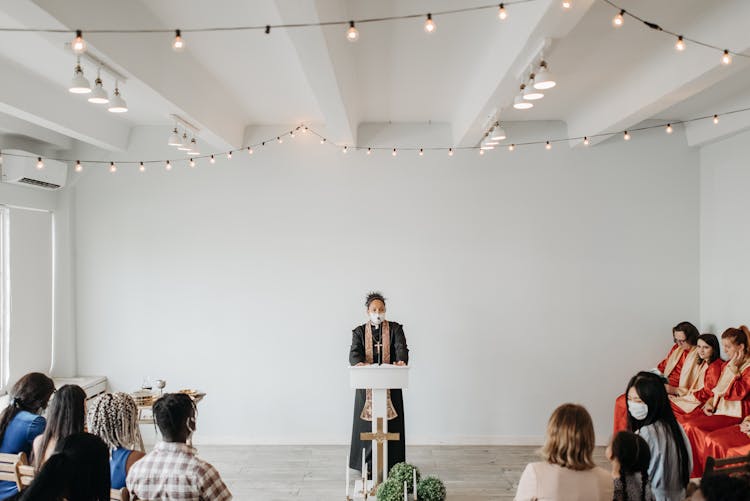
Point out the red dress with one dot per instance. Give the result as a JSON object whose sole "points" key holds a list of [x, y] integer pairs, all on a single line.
{"points": [[621, 405], [709, 381], [727, 442]]}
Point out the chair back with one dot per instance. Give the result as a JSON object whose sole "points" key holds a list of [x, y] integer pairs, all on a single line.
{"points": [[119, 494], [8, 463], [727, 466], [24, 475]]}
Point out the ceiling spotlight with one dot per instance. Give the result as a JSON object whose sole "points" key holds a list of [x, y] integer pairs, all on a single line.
{"points": [[429, 24], [530, 93], [544, 80], [39, 163], [726, 58], [174, 138], [78, 44], [79, 84], [352, 34], [178, 44], [99, 94], [520, 103], [618, 20], [680, 44], [502, 13], [117, 104], [184, 144]]}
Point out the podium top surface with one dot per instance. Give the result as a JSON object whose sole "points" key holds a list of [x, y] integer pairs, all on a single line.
{"points": [[379, 377]]}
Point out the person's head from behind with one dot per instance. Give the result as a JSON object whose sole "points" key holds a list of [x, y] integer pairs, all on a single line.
{"points": [[31, 393], [113, 417], [375, 304], [175, 416], [78, 471], [630, 455], [570, 438], [685, 334], [66, 415], [723, 488], [708, 348], [735, 342]]}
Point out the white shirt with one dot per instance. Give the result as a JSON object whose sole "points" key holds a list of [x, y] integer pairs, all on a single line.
{"points": [[551, 482]]}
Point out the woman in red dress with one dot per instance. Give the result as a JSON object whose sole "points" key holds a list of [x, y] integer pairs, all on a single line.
{"points": [[703, 367]]}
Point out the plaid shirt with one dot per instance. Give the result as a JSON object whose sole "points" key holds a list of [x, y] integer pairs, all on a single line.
{"points": [[173, 471]]}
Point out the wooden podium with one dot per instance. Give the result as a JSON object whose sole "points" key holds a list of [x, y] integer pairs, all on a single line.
{"points": [[379, 379]]}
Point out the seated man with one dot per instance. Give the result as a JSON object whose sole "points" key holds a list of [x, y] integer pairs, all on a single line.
{"points": [[172, 470]]}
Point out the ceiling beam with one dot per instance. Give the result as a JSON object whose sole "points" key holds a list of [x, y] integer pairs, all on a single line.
{"points": [[703, 132], [326, 63]]}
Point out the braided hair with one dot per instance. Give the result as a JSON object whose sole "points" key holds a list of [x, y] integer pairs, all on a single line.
{"points": [[633, 454], [30, 393], [114, 418], [172, 412]]}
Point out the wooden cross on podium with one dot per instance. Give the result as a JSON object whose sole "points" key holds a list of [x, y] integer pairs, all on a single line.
{"points": [[380, 437]]}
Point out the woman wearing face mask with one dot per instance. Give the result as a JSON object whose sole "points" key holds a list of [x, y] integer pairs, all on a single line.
{"points": [[379, 341], [704, 373], [650, 416], [729, 399]]}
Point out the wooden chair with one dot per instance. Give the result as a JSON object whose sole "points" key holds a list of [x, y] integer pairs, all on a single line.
{"points": [[8, 464], [119, 494], [24, 475], [728, 466]]}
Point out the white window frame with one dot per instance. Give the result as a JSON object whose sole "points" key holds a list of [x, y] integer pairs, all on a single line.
{"points": [[4, 297]]}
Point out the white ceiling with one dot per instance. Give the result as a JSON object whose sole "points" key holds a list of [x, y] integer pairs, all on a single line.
{"points": [[463, 74]]}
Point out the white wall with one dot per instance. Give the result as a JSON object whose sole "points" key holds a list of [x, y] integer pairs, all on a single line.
{"points": [[725, 234], [523, 279]]}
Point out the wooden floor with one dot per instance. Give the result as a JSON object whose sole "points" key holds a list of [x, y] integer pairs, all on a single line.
{"points": [[269, 473]]}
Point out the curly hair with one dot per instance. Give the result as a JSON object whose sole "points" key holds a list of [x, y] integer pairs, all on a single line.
{"points": [[374, 296]]}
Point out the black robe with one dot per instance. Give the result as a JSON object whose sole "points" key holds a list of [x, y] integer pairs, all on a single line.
{"points": [[399, 353]]}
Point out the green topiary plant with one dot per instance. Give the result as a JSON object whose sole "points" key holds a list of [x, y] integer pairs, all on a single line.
{"points": [[429, 489], [403, 472], [390, 490]]}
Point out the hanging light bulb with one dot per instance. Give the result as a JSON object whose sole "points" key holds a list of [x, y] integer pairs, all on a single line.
{"points": [[184, 143], [669, 128], [450, 152], [193, 148], [322, 140], [305, 129], [586, 141], [481, 151], [421, 152], [626, 136], [369, 151], [112, 167], [99, 94], [680, 44], [530, 93], [142, 167], [168, 165], [192, 163], [726, 58], [544, 79], [174, 138], [716, 119], [291, 134], [229, 155], [79, 167], [618, 20], [567, 4], [249, 150], [512, 147], [79, 84], [39, 163], [212, 159], [502, 13], [117, 104], [345, 149], [352, 34], [429, 24], [393, 153], [279, 140], [548, 146], [178, 44], [78, 44], [520, 103]]}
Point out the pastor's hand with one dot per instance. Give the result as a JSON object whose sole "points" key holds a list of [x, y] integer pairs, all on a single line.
{"points": [[400, 363], [361, 364]]}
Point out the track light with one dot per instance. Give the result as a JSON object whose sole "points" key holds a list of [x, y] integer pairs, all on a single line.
{"points": [[193, 148], [680, 44], [618, 20], [429, 24], [544, 79], [117, 104], [78, 167], [79, 84], [520, 103], [184, 143], [174, 138], [39, 163], [78, 44], [726, 58], [502, 13], [99, 94], [178, 44], [530, 93], [352, 34]]}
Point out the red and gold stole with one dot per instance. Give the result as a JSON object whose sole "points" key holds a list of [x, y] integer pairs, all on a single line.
{"points": [[722, 406], [673, 360], [692, 379], [385, 354]]}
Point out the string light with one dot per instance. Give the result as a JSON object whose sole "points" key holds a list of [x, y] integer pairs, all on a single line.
{"points": [[726, 58], [481, 151], [716, 119], [567, 4], [680, 44], [669, 128], [79, 167], [352, 34], [291, 134], [618, 20], [168, 165], [112, 167], [304, 129], [278, 138], [249, 150], [344, 150], [512, 147], [502, 13], [548, 146], [429, 24], [369, 151], [229, 155], [393, 153], [178, 44], [39, 163], [78, 44], [450, 152], [142, 167], [626, 136], [212, 159], [586, 141], [192, 163]]}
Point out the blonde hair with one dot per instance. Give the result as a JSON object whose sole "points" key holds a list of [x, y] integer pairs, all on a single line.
{"points": [[114, 418], [570, 438]]}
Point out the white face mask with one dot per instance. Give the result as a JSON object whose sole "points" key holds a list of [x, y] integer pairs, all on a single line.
{"points": [[638, 410], [377, 318]]}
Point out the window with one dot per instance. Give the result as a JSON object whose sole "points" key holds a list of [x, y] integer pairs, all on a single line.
{"points": [[4, 298]]}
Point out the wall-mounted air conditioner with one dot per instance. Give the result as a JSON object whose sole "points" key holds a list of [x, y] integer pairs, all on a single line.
{"points": [[20, 167]]}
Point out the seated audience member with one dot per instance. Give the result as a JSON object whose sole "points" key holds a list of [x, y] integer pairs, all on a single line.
{"points": [[77, 471], [20, 422], [568, 471], [66, 415], [685, 337], [630, 457], [650, 416], [729, 399], [113, 417], [173, 470], [705, 374], [723, 488]]}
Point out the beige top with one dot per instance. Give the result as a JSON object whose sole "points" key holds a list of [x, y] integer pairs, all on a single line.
{"points": [[549, 482]]}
